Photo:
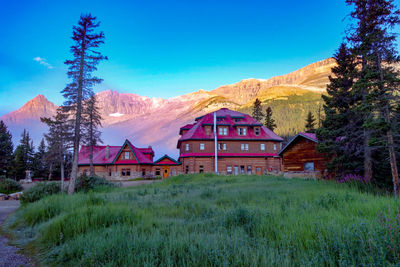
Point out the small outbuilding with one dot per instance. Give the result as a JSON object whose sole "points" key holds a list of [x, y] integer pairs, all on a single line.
{"points": [[166, 166], [300, 157]]}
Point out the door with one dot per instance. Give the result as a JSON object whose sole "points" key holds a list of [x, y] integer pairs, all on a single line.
{"points": [[258, 170], [165, 171], [236, 170]]}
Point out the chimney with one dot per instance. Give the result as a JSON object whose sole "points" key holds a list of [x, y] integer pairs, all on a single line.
{"points": [[107, 151]]}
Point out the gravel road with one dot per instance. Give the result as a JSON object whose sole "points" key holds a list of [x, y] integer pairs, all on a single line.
{"points": [[9, 255]]}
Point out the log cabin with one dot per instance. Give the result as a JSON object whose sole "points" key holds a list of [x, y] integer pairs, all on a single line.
{"points": [[300, 157], [244, 145]]}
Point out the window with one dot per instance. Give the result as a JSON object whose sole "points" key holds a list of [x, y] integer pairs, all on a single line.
{"points": [[221, 146], [257, 130], [187, 147], [241, 169], [220, 118], [143, 172], [128, 172], [123, 173], [244, 146], [158, 172], [237, 119], [126, 156], [85, 172], [222, 130], [309, 166], [274, 146], [228, 169], [248, 169], [208, 130], [201, 146], [262, 146], [242, 131], [187, 169], [109, 172], [201, 169]]}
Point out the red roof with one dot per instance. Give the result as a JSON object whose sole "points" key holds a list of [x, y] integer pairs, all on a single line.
{"points": [[99, 155], [311, 136], [232, 119], [166, 160]]}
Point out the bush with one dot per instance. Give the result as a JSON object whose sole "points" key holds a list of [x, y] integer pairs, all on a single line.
{"points": [[39, 191], [8, 186], [87, 183]]}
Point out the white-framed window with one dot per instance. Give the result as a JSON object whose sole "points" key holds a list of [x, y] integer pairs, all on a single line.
{"points": [[244, 146], [262, 147], [242, 131], [228, 169], [221, 146], [257, 130], [201, 146], [309, 166], [187, 147], [222, 130], [126, 155], [274, 146]]}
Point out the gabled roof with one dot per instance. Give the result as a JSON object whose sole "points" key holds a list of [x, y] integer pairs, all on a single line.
{"points": [[166, 160], [186, 127], [197, 131], [99, 155], [309, 136]]}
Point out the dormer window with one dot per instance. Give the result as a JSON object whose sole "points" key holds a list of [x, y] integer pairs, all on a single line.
{"points": [[223, 130], [242, 131], [126, 155], [257, 130], [237, 119]]}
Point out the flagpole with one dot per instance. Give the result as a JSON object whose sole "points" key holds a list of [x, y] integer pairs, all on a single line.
{"points": [[215, 143]]}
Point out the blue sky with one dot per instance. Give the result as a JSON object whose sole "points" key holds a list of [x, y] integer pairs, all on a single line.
{"points": [[164, 48]]}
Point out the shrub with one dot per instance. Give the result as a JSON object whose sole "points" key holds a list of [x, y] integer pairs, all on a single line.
{"points": [[87, 183], [8, 186], [39, 191]]}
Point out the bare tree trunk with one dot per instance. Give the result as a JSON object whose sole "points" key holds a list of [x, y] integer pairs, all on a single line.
{"points": [[389, 135], [50, 171], [91, 160], [74, 171], [62, 171]]}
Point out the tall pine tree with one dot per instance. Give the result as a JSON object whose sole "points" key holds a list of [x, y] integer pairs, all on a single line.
{"points": [[6, 149], [378, 82], [257, 110], [39, 168], [269, 121], [310, 123], [80, 68], [23, 156], [92, 122]]}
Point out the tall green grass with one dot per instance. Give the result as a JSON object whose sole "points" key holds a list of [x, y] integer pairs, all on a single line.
{"points": [[205, 220]]}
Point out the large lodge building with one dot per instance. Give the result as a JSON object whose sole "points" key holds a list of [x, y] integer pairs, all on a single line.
{"points": [[243, 146]]}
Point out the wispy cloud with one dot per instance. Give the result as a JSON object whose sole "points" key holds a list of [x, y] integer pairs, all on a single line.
{"points": [[43, 62]]}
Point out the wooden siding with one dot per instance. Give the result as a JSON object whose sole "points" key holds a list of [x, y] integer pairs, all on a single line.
{"points": [[299, 152]]}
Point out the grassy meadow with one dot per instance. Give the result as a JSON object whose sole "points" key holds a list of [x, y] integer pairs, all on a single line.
{"points": [[207, 220]]}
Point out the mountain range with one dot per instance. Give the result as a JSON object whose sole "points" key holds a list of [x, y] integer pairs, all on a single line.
{"points": [[156, 121]]}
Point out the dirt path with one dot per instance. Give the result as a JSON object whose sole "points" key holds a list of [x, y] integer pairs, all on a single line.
{"points": [[9, 255]]}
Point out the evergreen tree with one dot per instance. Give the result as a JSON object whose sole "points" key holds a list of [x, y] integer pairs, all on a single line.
{"points": [[269, 121], [338, 136], [23, 156], [86, 58], [257, 110], [92, 122], [59, 139], [6, 149], [375, 45], [39, 168], [310, 123]]}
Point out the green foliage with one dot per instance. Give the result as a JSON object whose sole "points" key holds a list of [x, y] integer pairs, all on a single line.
{"points": [[8, 186], [257, 110], [87, 183], [23, 156], [269, 121], [39, 191], [206, 220], [310, 123], [6, 149]]}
